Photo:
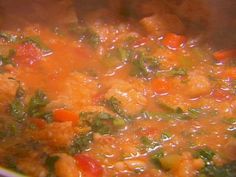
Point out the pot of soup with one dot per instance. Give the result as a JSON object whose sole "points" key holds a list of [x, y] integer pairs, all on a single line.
{"points": [[126, 88]]}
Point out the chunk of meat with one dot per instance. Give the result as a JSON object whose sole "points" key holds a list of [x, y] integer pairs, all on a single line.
{"points": [[77, 92], [32, 164], [197, 85], [130, 95], [188, 166], [161, 24], [57, 134], [66, 166], [195, 11], [32, 168]]}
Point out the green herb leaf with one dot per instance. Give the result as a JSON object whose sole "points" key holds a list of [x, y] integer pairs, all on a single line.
{"points": [[194, 112], [99, 127], [17, 107], [166, 136], [102, 122], [148, 145], [37, 41], [87, 35], [17, 110], [50, 163], [115, 105], [205, 154], [144, 66], [37, 102], [5, 60], [81, 143], [231, 120], [155, 158], [227, 170], [178, 72], [8, 37]]}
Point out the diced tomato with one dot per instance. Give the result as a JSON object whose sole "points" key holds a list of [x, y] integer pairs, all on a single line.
{"points": [[221, 95], [173, 41], [160, 86], [27, 54], [89, 166], [223, 55], [39, 123], [63, 115]]}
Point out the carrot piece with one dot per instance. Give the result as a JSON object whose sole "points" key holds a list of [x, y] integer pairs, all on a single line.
{"points": [[39, 123], [160, 86], [63, 115], [173, 41], [224, 54]]}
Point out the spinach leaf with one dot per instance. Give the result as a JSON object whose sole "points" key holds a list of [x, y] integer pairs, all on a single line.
{"points": [[227, 170], [115, 105], [87, 35], [102, 122], [38, 43], [5, 60], [17, 110], [144, 66], [50, 163], [148, 144], [17, 107], [37, 102], [9, 130], [90, 116], [155, 158], [165, 136], [81, 143], [8, 37], [231, 120], [99, 127], [168, 108], [205, 154], [178, 72], [210, 169], [194, 112]]}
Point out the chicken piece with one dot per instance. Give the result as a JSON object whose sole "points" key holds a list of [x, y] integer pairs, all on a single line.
{"points": [[66, 166], [32, 167], [57, 134], [77, 93], [188, 166], [197, 85], [131, 96], [159, 25], [196, 11]]}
